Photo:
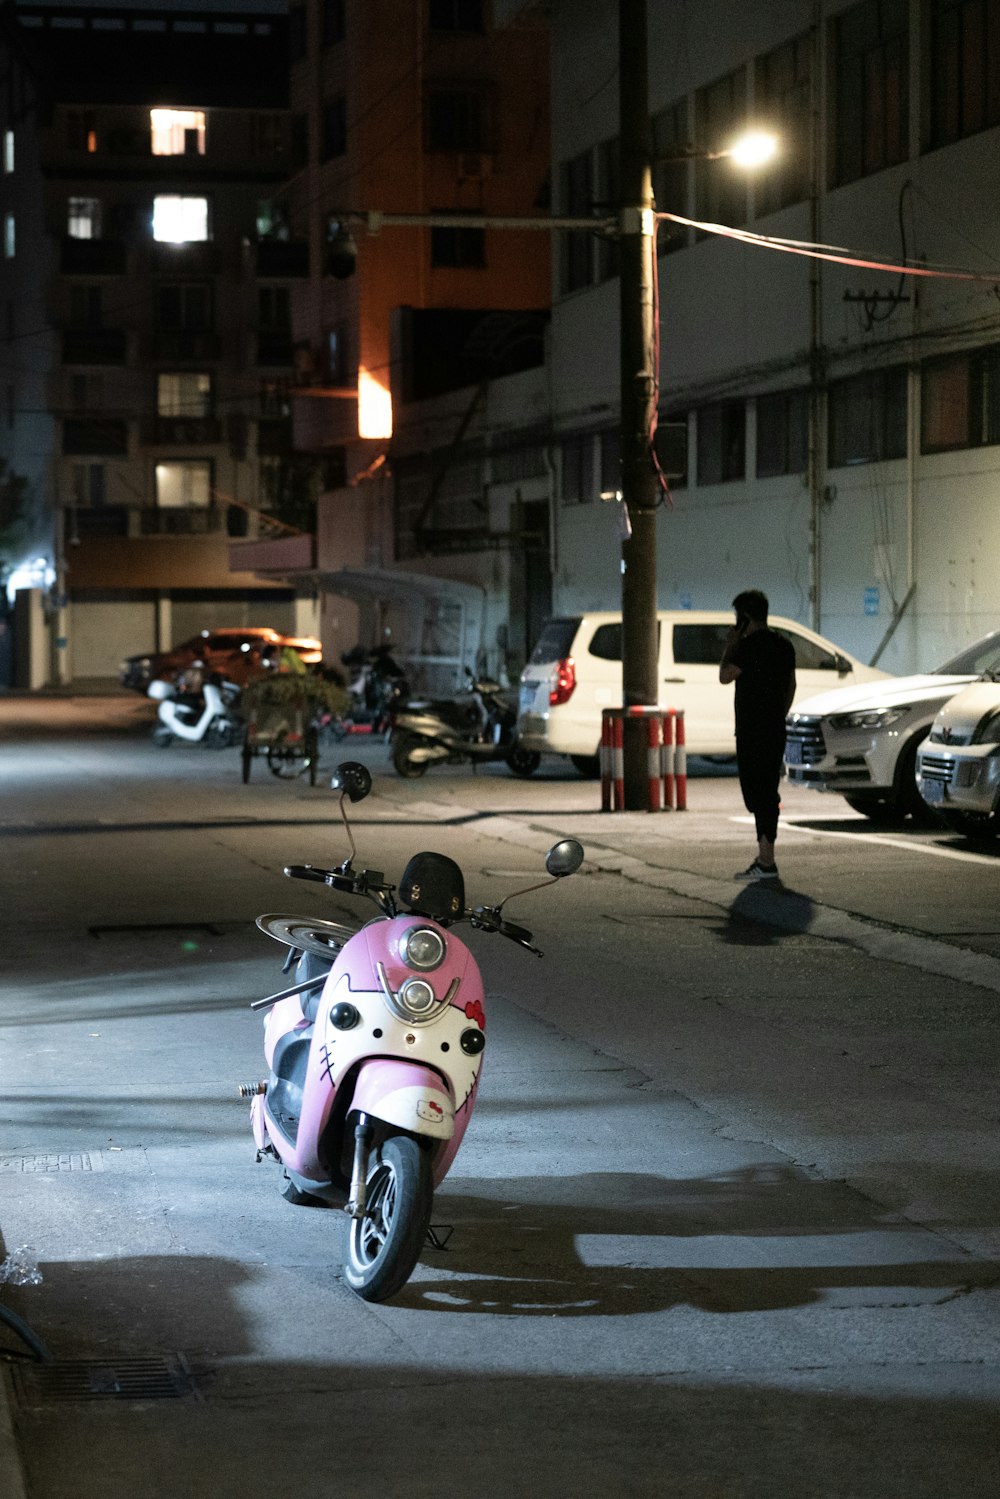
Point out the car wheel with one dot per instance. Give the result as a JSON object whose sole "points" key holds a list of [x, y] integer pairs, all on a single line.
{"points": [[907, 796]]}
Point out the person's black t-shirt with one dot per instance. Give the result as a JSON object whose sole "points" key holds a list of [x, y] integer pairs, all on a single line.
{"points": [[766, 662]]}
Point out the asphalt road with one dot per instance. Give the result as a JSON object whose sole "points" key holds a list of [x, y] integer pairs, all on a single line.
{"points": [[724, 1224]]}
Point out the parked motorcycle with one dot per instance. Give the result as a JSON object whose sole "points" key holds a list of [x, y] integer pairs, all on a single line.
{"points": [[207, 715], [478, 726], [375, 1050], [377, 685]]}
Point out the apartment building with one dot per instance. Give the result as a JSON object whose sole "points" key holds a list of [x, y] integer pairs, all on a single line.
{"points": [[425, 107], [146, 283]]}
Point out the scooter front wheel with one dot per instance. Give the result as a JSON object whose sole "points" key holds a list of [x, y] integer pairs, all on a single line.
{"points": [[384, 1245], [162, 736]]}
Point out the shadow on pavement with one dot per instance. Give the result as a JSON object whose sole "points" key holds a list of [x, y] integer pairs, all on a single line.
{"points": [[762, 914]]}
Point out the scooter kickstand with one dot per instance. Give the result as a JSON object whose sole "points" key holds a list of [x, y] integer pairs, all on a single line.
{"points": [[363, 1132], [439, 1235]]}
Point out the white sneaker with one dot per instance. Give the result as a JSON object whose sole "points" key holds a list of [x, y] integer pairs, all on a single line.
{"points": [[758, 871]]}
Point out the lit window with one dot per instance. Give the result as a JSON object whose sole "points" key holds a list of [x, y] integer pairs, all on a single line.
{"points": [[184, 394], [8, 150], [179, 221], [178, 132], [8, 236], [83, 218], [184, 484], [374, 406]]}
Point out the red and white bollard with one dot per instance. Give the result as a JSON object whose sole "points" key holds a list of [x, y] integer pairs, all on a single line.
{"points": [[666, 758]]}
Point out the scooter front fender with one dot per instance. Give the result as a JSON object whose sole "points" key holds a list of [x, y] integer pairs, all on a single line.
{"points": [[403, 1093]]}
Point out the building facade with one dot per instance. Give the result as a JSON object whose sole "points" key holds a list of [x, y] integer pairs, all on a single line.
{"points": [[145, 286], [831, 429]]}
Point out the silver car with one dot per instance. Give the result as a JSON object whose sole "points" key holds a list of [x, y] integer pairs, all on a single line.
{"points": [[863, 741], [958, 768]]}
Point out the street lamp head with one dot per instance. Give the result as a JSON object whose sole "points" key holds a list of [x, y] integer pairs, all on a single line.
{"points": [[753, 149]]}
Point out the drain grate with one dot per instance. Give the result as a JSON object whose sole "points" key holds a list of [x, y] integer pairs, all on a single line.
{"points": [[55, 1160], [71, 1381]]}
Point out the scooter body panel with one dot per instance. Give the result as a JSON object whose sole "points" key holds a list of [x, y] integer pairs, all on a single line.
{"points": [[418, 1069]]}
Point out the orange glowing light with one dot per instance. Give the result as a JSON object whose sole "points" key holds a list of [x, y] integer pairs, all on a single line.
{"points": [[374, 406]]}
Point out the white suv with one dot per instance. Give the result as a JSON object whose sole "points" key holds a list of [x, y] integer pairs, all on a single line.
{"points": [[958, 767], [863, 742], [575, 671]]}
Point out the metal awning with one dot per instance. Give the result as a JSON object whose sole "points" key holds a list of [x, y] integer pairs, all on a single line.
{"points": [[364, 583]]}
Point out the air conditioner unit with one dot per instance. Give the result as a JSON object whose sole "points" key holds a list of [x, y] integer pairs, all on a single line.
{"points": [[473, 165]]}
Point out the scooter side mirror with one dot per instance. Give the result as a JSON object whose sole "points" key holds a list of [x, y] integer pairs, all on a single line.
{"points": [[563, 858], [352, 779]]}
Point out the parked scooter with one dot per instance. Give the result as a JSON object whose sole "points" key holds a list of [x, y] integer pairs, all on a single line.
{"points": [[377, 685], [478, 726], [207, 715], [374, 1052]]}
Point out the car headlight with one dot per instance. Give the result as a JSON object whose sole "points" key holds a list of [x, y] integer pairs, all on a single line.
{"points": [[869, 718], [988, 731], [422, 947]]}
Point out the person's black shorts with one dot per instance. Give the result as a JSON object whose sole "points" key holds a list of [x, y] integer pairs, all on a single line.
{"points": [[759, 759]]}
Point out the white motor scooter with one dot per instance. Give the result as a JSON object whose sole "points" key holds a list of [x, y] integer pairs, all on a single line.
{"points": [[212, 720]]}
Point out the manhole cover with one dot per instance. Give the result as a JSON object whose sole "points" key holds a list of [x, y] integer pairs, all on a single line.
{"points": [[68, 1381], [56, 1160]]}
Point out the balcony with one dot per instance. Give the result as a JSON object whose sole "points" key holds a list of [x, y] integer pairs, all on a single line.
{"points": [[94, 436], [192, 344], [196, 258], [274, 348], [99, 522], [282, 257], [191, 520], [94, 346], [92, 257], [181, 431]]}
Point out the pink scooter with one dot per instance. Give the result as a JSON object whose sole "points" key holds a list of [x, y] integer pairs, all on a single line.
{"points": [[374, 1052]]}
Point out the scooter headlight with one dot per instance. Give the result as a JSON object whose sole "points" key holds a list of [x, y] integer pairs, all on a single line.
{"points": [[422, 947], [417, 998]]}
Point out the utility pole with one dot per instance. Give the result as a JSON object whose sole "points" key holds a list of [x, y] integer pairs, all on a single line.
{"points": [[640, 666]]}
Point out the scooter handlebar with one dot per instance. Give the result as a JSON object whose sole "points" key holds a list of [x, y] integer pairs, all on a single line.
{"points": [[305, 872]]}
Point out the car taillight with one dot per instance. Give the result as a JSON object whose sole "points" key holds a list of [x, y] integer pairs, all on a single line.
{"points": [[565, 683]]}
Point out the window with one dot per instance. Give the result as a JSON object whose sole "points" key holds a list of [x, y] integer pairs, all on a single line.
{"points": [[83, 218], [611, 462], [700, 645], [180, 220], [782, 433], [964, 68], [458, 247], [670, 173], [334, 133], [9, 236], [867, 418], [274, 309], [333, 22], [271, 221], [871, 62], [722, 442], [576, 192], [960, 401], [87, 484], [81, 130], [608, 175], [185, 483], [455, 15], [186, 304], [781, 102], [177, 132], [671, 444], [183, 394], [267, 135], [809, 656], [86, 306], [335, 355], [87, 392], [297, 33], [457, 118], [8, 151], [720, 113], [577, 470], [274, 399]]}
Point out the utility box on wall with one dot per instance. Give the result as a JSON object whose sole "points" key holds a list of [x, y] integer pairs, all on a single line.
{"points": [[31, 640]]}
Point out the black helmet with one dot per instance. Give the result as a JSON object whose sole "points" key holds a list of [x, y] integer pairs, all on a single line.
{"points": [[352, 779], [432, 885]]}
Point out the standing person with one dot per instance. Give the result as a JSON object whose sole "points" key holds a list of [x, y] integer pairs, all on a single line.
{"points": [[762, 664]]}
